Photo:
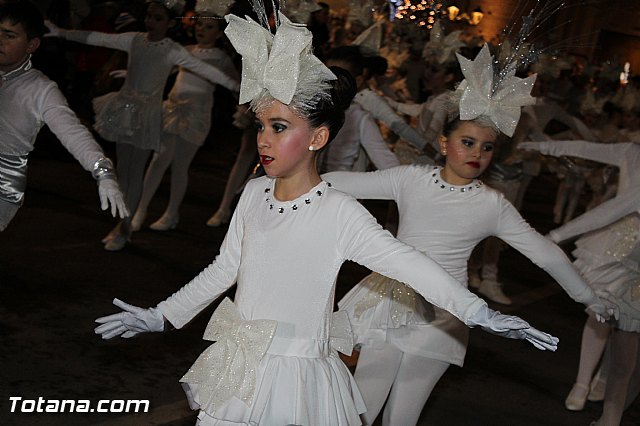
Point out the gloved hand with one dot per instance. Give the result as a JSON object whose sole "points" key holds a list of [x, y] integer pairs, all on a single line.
{"points": [[54, 30], [131, 321], [604, 308], [110, 193], [512, 327]]}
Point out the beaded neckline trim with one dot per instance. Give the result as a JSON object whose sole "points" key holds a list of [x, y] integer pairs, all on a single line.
{"points": [[293, 206], [452, 188]]}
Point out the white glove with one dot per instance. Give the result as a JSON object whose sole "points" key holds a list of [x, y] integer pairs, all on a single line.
{"points": [[604, 308], [512, 327], [54, 30], [110, 193], [131, 321]]}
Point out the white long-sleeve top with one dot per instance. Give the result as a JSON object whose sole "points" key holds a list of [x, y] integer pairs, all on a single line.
{"points": [[358, 136], [446, 223], [286, 264], [626, 156], [381, 110], [30, 101]]}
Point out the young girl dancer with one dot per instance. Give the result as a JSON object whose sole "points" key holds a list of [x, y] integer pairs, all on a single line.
{"points": [[132, 117], [609, 259], [187, 119], [408, 344], [273, 363]]}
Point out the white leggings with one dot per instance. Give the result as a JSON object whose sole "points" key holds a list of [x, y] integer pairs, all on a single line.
{"points": [[406, 379], [130, 169], [178, 153]]}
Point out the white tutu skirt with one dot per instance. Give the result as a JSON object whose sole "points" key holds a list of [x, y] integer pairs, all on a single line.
{"points": [[383, 310], [129, 117], [615, 280], [189, 118], [295, 389]]}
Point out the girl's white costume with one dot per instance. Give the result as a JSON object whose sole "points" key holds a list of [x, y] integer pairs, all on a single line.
{"points": [[435, 219], [285, 258], [608, 258], [187, 111], [133, 115]]}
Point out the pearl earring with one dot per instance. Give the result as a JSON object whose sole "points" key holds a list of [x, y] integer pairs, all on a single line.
{"points": [[312, 148]]}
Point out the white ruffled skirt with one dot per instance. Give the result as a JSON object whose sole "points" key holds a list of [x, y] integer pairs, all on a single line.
{"points": [[188, 118]]}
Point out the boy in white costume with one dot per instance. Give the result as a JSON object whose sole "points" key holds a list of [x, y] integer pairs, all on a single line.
{"points": [[28, 101], [275, 360]]}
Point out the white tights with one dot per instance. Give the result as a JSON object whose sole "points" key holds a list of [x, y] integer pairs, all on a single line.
{"points": [[178, 153], [406, 379]]}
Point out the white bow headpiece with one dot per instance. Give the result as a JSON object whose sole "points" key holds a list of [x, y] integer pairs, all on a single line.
{"points": [[281, 64], [213, 7], [177, 6], [441, 46], [500, 102], [370, 39], [227, 368]]}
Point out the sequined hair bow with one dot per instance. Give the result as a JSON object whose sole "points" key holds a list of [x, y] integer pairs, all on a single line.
{"points": [[480, 97], [440, 46], [176, 6], [280, 65]]}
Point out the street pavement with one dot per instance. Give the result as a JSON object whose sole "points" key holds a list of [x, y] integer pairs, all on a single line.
{"points": [[56, 278]]}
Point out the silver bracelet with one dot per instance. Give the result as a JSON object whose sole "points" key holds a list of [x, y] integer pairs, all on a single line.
{"points": [[103, 169]]}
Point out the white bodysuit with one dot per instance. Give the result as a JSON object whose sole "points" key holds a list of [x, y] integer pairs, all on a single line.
{"points": [[285, 257], [446, 222]]}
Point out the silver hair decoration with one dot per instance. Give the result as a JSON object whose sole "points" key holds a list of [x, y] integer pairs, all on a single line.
{"points": [[278, 66], [213, 7]]}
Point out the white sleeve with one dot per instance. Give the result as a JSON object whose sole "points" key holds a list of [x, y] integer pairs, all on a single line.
{"points": [[609, 153], [362, 239], [375, 146], [377, 185], [600, 216], [183, 58], [215, 279], [95, 38], [515, 231], [64, 123]]}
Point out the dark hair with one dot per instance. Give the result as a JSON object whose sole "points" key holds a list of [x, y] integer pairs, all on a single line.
{"points": [[375, 65], [26, 14], [331, 113], [171, 14], [350, 56]]}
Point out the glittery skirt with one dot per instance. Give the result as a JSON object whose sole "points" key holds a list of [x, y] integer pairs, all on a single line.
{"points": [[383, 310], [188, 118], [298, 382], [129, 117]]}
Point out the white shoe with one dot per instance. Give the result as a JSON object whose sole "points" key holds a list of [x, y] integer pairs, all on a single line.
{"points": [[596, 390], [116, 243], [165, 223], [577, 397], [138, 220], [219, 218], [493, 291]]}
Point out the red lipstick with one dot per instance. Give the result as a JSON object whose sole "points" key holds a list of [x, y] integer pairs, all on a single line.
{"points": [[474, 164], [266, 160]]}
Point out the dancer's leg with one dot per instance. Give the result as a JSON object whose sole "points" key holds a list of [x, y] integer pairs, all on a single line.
{"points": [[416, 378], [157, 167], [375, 374], [624, 351], [184, 154]]}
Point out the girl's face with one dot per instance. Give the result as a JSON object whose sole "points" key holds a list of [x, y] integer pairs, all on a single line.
{"points": [[468, 151], [283, 142], [157, 22], [207, 31]]}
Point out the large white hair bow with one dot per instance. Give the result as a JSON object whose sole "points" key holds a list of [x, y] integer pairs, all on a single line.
{"points": [[282, 64], [500, 101], [213, 7], [300, 10], [441, 46]]}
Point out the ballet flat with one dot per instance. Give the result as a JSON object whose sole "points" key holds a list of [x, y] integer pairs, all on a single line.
{"points": [[165, 223], [218, 219], [577, 397]]}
